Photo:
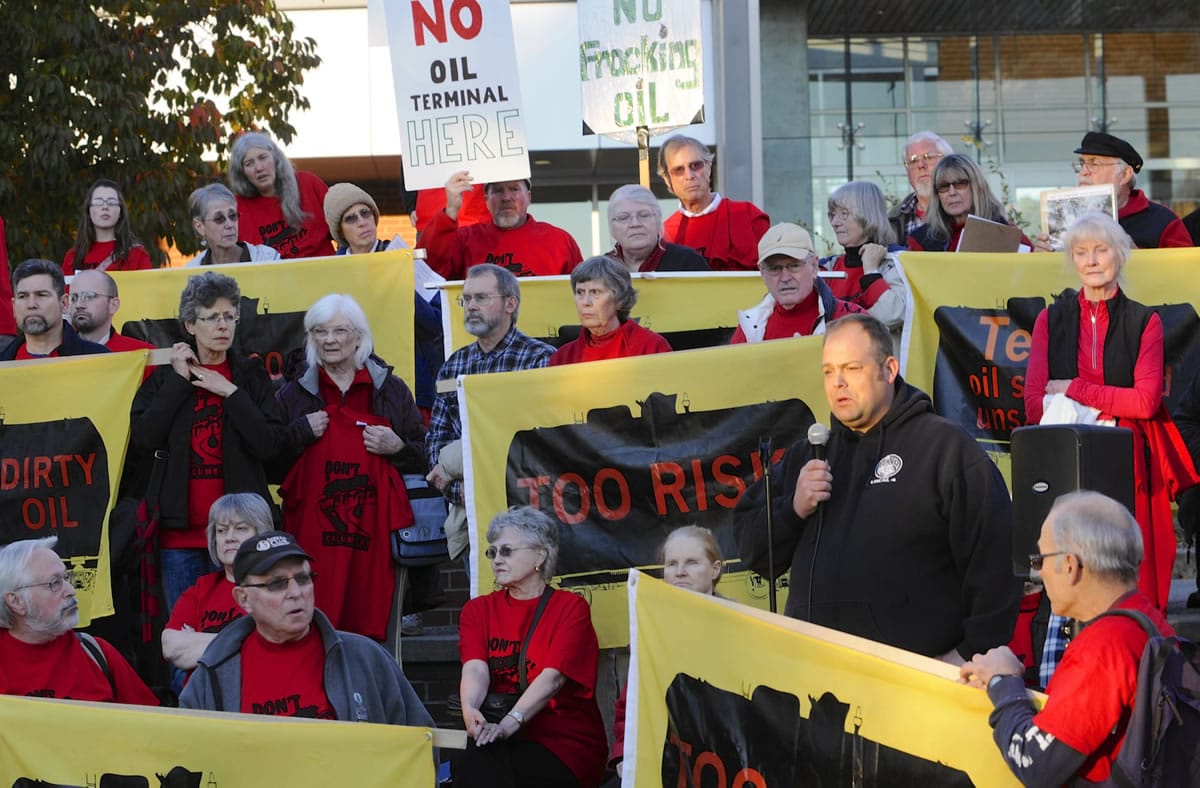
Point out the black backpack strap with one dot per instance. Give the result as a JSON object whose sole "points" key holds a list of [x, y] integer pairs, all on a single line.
{"points": [[1137, 615], [97, 654], [537, 614]]}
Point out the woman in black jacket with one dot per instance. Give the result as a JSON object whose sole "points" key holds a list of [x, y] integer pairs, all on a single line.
{"points": [[213, 414]]}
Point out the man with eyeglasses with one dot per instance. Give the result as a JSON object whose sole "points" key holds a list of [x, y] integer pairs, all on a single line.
{"points": [[922, 152], [40, 653], [513, 239], [491, 299], [94, 304], [1103, 158], [635, 222], [798, 303], [284, 658], [725, 232], [39, 303], [1089, 551]]}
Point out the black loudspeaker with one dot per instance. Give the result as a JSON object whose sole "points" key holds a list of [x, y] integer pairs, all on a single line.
{"points": [[1051, 460]]}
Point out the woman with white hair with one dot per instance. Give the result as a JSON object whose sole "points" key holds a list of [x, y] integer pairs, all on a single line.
{"points": [[353, 430], [635, 221], [604, 296], [858, 216], [213, 209], [277, 205], [1104, 351]]}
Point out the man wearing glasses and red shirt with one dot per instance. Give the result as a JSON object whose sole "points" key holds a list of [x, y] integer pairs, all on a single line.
{"points": [[284, 658], [40, 654]]}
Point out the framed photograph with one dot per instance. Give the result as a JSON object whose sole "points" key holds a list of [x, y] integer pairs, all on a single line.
{"points": [[1061, 207]]}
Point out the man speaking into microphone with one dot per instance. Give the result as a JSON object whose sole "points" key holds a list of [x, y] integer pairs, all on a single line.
{"points": [[903, 532]]}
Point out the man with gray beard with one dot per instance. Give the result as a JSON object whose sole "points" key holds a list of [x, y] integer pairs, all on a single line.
{"points": [[490, 300], [39, 300], [513, 239], [40, 654]]}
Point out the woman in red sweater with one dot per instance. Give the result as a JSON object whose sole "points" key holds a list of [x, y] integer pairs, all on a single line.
{"points": [[105, 241], [1104, 350], [604, 296]]}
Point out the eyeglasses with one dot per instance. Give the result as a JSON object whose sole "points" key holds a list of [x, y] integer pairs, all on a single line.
{"points": [[222, 317], [960, 185], [341, 333], [1036, 561], [481, 299], [280, 584], [627, 218], [794, 267], [220, 219], [355, 218], [840, 213], [1079, 165], [922, 158], [506, 550], [87, 296], [694, 166], [105, 202], [54, 584]]}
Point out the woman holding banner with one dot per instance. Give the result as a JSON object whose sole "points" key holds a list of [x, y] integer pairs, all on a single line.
{"points": [[604, 296], [278, 205], [962, 189], [1104, 351], [213, 209], [546, 728], [211, 419]]}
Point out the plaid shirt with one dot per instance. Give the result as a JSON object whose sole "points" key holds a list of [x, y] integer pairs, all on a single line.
{"points": [[1058, 635], [516, 351]]}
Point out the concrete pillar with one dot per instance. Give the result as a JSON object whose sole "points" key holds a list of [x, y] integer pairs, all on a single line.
{"points": [[786, 148], [738, 111]]}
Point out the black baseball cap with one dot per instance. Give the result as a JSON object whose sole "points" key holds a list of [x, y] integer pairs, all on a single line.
{"points": [[256, 556], [1098, 143]]}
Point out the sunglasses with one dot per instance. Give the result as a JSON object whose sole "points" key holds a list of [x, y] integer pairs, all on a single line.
{"points": [[220, 218], [505, 550]]}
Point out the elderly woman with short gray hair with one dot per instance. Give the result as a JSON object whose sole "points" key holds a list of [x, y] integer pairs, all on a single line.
{"points": [[552, 730], [203, 610], [212, 414], [635, 222], [604, 296], [213, 209]]}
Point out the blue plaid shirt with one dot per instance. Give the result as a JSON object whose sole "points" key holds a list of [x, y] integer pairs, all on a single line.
{"points": [[516, 351], [1058, 635]]}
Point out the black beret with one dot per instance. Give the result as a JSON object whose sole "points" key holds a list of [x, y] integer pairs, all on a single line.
{"points": [[1098, 143]]}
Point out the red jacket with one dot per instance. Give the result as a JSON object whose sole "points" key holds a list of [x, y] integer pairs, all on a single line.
{"points": [[728, 237], [629, 339], [533, 249]]}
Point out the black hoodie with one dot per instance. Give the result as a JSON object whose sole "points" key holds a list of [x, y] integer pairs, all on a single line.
{"points": [[915, 544]]}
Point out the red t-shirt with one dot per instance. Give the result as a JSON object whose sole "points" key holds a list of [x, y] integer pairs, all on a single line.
{"points": [[492, 628], [138, 258], [629, 339], [285, 679], [342, 503], [118, 343], [786, 323], [1091, 692], [728, 236], [207, 606], [206, 471], [260, 221], [63, 669], [533, 249]]}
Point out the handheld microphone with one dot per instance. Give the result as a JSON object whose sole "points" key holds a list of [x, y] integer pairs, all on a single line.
{"points": [[818, 436]]}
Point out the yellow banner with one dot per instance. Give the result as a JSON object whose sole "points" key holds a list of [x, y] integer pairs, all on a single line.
{"points": [[101, 745], [64, 427], [667, 303], [727, 695], [275, 297], [620, 452]]}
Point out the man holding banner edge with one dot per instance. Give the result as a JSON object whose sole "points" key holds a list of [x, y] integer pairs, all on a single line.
{"points": [[912, 548]]}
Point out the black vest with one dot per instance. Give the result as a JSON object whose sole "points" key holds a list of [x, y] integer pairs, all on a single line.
{"points": [[1126, 322]]}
